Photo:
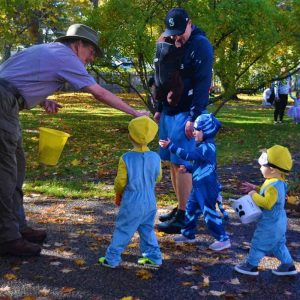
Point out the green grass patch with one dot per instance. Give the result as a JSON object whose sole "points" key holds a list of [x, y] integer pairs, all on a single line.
{"points": [[89, 161]]}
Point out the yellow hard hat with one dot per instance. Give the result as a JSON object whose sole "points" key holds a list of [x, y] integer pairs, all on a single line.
{"points": [[278, 157], [142, 130]]}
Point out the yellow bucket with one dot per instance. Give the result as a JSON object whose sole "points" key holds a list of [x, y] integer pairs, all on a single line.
{"points": [[51, 145]]}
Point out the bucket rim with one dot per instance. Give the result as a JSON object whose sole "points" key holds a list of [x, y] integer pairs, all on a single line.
{"points": [[54, 131]]}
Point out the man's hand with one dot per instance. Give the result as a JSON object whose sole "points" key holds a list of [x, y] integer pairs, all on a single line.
{"points": [[51, 107], [164, 143], [140, 113], [189, 129], [156, 117], [248, 187]]}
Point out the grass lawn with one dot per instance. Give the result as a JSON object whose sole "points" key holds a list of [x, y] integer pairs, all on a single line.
{"points": [[99, 137]]}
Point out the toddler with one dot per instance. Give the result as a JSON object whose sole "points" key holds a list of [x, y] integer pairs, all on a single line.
{"points": [[294, 111], [138, 172], [269, 236], [206, 188]]}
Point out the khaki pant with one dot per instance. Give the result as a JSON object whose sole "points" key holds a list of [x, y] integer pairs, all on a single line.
{"points": [[12, 166]]}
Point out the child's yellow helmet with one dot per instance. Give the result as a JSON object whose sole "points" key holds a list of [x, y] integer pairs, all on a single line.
{"points": [[142, 130], [278, 157]]}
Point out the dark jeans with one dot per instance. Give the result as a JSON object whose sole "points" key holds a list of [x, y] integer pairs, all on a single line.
{"points": [[12, 166], [280, 106]]}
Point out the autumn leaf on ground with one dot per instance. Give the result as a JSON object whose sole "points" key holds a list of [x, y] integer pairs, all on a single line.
{"points": [[235, 281], [5, 289], [66, 270], [187, 270], [75, 162], [130, 298], [9, 276], [55, 263], [217, 293], [160, 233], [44, 292], [205, 282], [28, 298], [80, 262], [144, 274], [187, 283], [67, 290]]}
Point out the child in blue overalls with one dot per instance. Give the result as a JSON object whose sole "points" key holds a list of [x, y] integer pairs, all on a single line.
{"points": [[138, 172], [269, 236], [201, 162]]}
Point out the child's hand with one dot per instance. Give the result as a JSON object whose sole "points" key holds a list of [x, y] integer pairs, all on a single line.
{"points": [[247, 187], [182, 169], [164, 143]]}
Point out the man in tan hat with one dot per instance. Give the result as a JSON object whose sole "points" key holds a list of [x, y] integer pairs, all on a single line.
{"points": [[26, 80]]}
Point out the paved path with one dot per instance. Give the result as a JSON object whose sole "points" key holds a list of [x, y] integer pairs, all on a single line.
{"points": [[79, 232]]}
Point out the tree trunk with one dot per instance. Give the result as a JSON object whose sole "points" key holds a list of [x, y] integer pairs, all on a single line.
{"points": [[6, 51]]}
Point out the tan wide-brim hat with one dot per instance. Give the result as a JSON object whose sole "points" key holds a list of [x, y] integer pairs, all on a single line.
{"points": [[83, 32]]}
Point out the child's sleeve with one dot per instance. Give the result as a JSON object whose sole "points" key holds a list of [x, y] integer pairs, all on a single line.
{"points": [[121, 179], [268, 200], [187, 155]]}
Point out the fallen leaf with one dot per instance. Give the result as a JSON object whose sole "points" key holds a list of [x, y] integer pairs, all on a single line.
{"points": [[187, 283], [58, 244], [205, 282], [80, 262], [28, 298], [75, 162], [144, 274], [235, 281], [10, 276], [67, 290], [217, 293], [66, 270], [44, 292], [55, 263]]}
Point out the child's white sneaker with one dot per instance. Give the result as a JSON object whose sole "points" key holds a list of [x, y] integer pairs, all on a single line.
{"points": [[218, 246], [183, 239]]}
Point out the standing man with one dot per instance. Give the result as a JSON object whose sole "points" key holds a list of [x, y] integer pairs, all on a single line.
{"points": [[176, 122], [26, 80]]}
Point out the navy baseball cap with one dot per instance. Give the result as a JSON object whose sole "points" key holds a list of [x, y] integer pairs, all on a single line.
{"points": [[176, 21]]}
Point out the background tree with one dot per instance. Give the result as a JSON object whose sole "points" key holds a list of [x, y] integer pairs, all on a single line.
{"points": [[27, 22]]}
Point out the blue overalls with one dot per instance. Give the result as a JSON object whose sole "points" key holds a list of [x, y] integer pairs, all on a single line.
{"points": [[269, 236], [138, 208]]}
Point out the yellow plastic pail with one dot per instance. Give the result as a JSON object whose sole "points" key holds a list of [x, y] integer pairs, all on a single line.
{"points": [[51, 144]]}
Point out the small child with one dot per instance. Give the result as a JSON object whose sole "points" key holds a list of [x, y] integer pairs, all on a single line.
{"points": [[294, 111], [206, 188], [138, 172], [269, 236], [168, 81]]}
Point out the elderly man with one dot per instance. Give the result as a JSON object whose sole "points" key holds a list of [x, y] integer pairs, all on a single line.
{"points": [[26, 80]]}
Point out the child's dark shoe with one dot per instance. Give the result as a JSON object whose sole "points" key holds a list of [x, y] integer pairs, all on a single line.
{"points": [[145, 261], [285, 270], [168, 216], [103, 262], [246, 269]]}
